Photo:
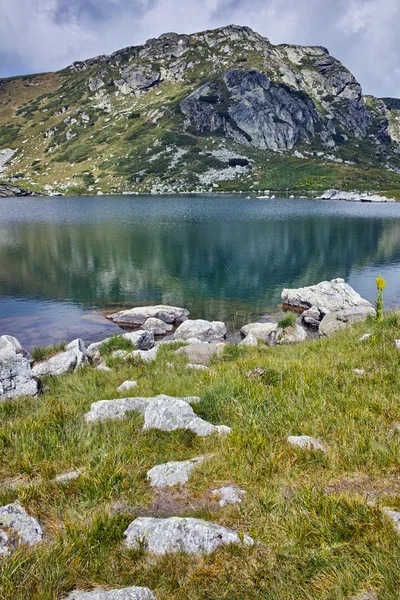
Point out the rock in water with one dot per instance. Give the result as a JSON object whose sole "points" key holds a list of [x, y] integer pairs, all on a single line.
{"points": [[173, 473], [16, 377], [132, 593], [333, 295], [15, 518], [336, 321], [201, 353], [140, 314], [206, 331], [193, 536]]}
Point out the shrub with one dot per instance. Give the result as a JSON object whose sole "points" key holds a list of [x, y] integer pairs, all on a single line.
{"points": [[288, 320]]}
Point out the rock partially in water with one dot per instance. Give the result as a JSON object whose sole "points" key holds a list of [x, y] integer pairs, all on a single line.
{"points": [[27, 530], [16, 376], [157, 326], [336, 321], [354, 196], [230, 494], [333, 295], [173, 473], [193, 536], [206, 331], [132, 593], [201, 353], [140, 314]]}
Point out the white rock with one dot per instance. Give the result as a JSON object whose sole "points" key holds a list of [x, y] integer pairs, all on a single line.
{"points": [[127, 385], [230, 494], [365, 337], [119, 354], [146, 356], [249, 340], [193, 536], [201, 353], [103, 368], [57, 365], [15, 518], [394, 516], [197, 367], [157, 326], [11, 343], [305, 441], [16, 376], [173, 473], [78, 346], [359, 371], [206, 331], [397, 344], [336, 321], [292, 335], [117, 409], [140, 314], [266, 332], [334, 295], [67, 477], [132, 593]]}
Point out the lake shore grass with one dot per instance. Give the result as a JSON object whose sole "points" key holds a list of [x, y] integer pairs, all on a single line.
{"points": [[316, 517]]}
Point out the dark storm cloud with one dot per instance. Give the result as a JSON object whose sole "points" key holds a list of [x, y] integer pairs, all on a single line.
{"points": [[37, 35]]}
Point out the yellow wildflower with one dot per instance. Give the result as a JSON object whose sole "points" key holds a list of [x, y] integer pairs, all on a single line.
{"points": [[380, 283]]}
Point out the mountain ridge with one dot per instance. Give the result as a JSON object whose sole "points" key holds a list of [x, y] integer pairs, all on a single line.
{"points": [[218, 110]]}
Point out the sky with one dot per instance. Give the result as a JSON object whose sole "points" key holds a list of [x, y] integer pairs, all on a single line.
{"points": [[46, 35]]}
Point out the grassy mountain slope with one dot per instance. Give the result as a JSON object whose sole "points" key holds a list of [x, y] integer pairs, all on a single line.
{"points": [[166, 117], [317, 518]]}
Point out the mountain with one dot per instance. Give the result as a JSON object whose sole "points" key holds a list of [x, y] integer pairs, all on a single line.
{"points": [[217, 110]]}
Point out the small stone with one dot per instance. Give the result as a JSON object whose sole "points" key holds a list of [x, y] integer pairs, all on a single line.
{"points": [[15, 517], [365, 337], [132, 593], [306, 442], [103, 368], [365, 596], [394, 516], [67, 477], [359, 371], [176, 534], [197, 367], [173, 473], [230, 494], [397, 344], [127, 385]]}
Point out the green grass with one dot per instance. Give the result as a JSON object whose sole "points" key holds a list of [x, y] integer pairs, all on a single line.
{"points": [[288, 320], [116, 343], [316, 518], [41, 353]]}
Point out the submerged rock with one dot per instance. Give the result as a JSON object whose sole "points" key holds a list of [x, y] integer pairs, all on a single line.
{"points": [[140, 314], [132, 593], [173, 473], [26, 528], [193, 536], [206, 331], [333, 295]]}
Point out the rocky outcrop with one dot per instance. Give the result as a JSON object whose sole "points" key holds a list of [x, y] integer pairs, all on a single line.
{"points": [[140, 314], [132, 593], [193, 536], [332, 295], [10, 191], [354, 196], [16, 376], [336, 321], [205, 331], [19, 528]]}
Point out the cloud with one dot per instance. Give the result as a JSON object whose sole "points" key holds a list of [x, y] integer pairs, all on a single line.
{"points": [[41, 35]]}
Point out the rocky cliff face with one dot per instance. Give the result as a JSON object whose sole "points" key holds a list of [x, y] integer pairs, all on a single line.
{"points": [[222, 109]]}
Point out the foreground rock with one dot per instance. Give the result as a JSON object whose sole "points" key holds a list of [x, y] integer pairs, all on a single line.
{"points": [[173, 473], [365, 596], [306, 442], [332, 295], [23, 528], [132, 593], [266, 332], [201, 353], [65, 477], [205, 331], [16, 376], [141, 340], [230, 494], [336, 321], [10, 343], [140, 314], [292, 335], [193, 536], [117, 409]]}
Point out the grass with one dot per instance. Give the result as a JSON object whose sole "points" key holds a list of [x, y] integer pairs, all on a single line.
{"points": [[116, 343], [42, 353], [288, 320], [316, 518]]}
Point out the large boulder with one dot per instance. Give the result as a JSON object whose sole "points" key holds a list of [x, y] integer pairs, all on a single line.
{"points": [[157, 326], [333, 295], [336, 321], [206, 331], [201, 353], [9, 342], [266, 332], [193, 536], [24, 528], [292, 335], [140, 314], [57, 365], [173, 473], [16, 377], [132, 593]]}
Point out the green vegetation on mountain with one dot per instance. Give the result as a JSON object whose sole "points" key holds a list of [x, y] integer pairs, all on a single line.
{"points": [[222, 110]]}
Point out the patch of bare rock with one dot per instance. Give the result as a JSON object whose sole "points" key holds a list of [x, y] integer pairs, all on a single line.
{"points": [[17, 527], [132, 593]]}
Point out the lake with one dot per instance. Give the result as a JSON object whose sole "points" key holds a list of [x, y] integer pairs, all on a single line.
{"points": [[64, 261]]}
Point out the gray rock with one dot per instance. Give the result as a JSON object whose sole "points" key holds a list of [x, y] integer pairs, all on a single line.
{"points": [[140, 314], [365, 596], [157, 326], [206, 331], [173, 473], [359, 371], [397, 344], [354, 196], [365, 337], [141, 340], [230, 494], [8, 342], [292, 335], [193, 536], [336, 321], [57, 365], [313, 316], [197, 367], [78, 346], [104, 368], [249, 340], [132, 593], [171, 414], [306, 442], [334, 295], [16, 377], [394, 516], [67, 477], [146, 356], [15, 518], [119, 354], [127, 385], [117, 409], [200, 353], [266, 332]]}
